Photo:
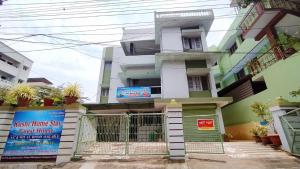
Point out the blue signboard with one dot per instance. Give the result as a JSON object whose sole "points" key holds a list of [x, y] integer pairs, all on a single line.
{"points": [[133, 92], [34, 135]]}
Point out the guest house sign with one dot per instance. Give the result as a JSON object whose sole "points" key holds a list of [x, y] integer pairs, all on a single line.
{"points": [[34, 136]]}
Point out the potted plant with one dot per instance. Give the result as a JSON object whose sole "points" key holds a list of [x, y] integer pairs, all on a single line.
{"points": [[55, 97], [263, 134], [255, 134], [227, 137], [3, 93], [71, 93], [261, 111], [275, 139], [23, 93]]}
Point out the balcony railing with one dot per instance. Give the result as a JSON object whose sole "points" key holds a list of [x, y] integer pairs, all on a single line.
{"points": [[171, 14], [258, 9], [262, 62], [5, 82]]}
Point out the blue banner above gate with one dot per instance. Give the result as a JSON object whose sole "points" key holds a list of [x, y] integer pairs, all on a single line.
{"points": [[133, 92]]}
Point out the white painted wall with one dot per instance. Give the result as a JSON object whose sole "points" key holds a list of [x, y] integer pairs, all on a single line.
{"points": [[174, 80], [171, 40], [203, 39], [115, 81], [100, 77]]}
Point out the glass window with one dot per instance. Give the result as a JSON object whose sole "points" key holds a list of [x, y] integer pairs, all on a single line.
{"points": [[105, 92], [233, 48], [198, 83]]}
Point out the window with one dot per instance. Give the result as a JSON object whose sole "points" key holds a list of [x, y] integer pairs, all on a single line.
{"points": [[107, 65], [25, 68], [233, 48], [192, 43], [105, 92], [198, 83], [3, 77], [20, 81], [241, 74], [218, 85], [242, 38]]}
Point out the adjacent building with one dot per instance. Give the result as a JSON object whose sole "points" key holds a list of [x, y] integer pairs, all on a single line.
{"points": [[261, 63], [14, 67], [39, 81]]}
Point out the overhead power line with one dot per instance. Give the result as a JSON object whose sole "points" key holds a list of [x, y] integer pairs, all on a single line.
{"points": [[98, 4], [83, 8], [102, 15]]}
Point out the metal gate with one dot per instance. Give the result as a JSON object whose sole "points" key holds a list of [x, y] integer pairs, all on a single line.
{"points": [[200, 137], [122, 134]]}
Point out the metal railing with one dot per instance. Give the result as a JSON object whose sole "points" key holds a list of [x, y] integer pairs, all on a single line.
{"points": [[189, 13], [291, 126], [202, 141], [5, 82], [122, 134], [257, 9], [262, 62]]}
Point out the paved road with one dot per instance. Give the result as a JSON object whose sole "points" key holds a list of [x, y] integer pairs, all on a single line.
{"points": [[238, 155]]}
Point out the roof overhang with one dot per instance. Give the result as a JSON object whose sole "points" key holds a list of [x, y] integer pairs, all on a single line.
{"points": [[219, 101], [183, 56]]}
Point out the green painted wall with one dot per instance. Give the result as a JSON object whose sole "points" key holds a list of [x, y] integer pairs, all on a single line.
{"points": [[103, 99], [206, 93], [190, 127], [195, 64], [106, 77], [280, 78]]}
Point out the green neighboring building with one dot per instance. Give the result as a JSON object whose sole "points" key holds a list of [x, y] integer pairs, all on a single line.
{"points": [[262, 62]]}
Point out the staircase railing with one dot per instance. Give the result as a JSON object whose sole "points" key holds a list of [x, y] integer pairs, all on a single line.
{"points": [[291, 126]]}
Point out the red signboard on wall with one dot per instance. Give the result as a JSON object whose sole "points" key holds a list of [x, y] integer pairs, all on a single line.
{"points": [[206, 124]]}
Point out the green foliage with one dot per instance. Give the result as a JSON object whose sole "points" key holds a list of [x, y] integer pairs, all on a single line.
{"points": [[259, 131], [295, 93], [262, 131], [21, 91], [72, 90], [3, 92], [47, 92], [261, 110]]}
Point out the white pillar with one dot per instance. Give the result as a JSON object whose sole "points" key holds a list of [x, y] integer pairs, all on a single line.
{"points": [[203, 39], [175, 133], [220, 118], [278, 111]]}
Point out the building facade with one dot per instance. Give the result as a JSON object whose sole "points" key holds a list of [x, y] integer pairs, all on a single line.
{"points": [[167, 69], [14, 67], [261, 63]]}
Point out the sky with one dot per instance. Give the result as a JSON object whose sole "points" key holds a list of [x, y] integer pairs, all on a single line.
{"points": [[57, 34]]}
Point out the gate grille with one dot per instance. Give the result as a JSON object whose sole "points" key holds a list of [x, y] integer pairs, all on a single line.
{"points": [[122, 134], [202, 141]]}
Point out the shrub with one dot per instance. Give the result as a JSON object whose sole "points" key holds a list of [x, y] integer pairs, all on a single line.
{"points": [[72, 90]]}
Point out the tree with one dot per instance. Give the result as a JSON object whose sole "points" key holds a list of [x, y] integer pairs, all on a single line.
{"points": [[295, 93]]}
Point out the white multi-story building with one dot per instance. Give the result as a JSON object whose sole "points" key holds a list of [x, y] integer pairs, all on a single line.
{"points": [[167, 68], [14, 67]]}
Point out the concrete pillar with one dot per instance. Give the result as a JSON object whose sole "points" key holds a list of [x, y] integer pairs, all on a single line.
{"points": [[203, 39], [69, 136], [175, 132], [6, 117], [220, 118]]}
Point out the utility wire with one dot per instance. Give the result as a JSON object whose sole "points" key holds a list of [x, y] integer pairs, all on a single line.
{"points": [[127, 3], [104, 8]]}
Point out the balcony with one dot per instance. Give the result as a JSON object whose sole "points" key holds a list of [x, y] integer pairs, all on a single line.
{"points": [[262, 62], [182, 19], [5, 83], [263, 14], [9, 69]]}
